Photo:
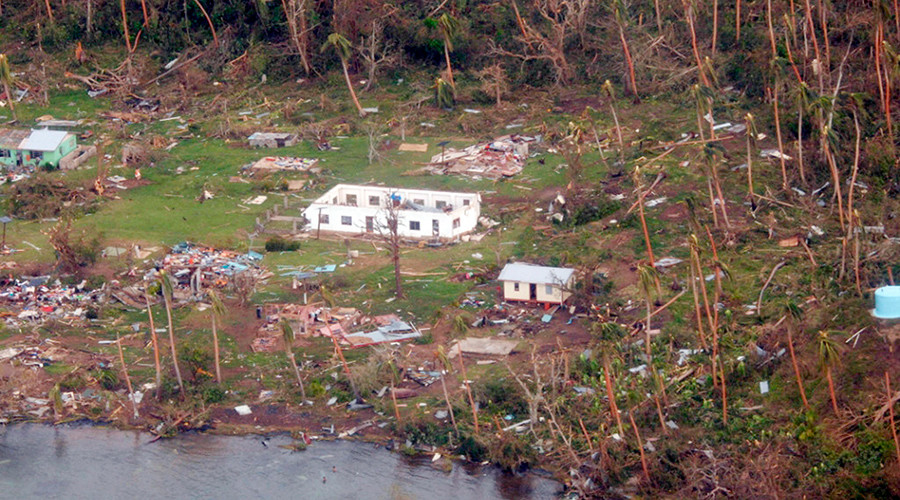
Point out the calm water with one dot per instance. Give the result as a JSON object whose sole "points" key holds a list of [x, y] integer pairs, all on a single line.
{"points": [[39, 461]]}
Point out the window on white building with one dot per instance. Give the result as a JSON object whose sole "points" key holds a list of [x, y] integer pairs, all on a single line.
{"points": [[465, 203], [516, 286], [346, 220], [456, 223], [374, 201], [351, 199], [440, 204], [414, 225], [548, 289], [323, 218]]}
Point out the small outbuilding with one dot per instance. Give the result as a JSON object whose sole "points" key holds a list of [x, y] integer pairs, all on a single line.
{"points": [[272, 140], [36, 148], [537, 284]]}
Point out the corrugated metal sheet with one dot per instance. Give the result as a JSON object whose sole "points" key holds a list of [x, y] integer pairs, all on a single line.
{"points": [[11, 138], [531, 273], [43, 140]]}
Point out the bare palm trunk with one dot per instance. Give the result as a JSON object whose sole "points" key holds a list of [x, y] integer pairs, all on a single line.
{"points": [[49, 11], [124, 24], [890, 402], [615, 116], [611, 395], [208, 21], [800, 142], [640, 447], [462, 369], [784, 179], [834, 404], [216, 350], [449, 406], [10, 99], [694, 277], [394, 400], [127, 378], [168, 301], [690, 17], [449, 67], [155, 340], [297, 372], [715, 32], [628, 61]]}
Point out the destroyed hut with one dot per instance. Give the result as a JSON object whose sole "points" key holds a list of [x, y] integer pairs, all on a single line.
{"points": [[503, 157]]}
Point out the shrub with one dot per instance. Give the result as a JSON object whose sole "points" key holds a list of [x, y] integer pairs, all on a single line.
{"points": [[213, 395], [107, 379], [279, 244]]}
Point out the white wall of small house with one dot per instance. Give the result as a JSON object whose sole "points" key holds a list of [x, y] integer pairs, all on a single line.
{"points": [[552, 293], [510, 292]]}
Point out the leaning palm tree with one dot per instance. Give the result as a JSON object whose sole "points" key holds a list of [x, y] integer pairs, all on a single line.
{"points": [[288, 334], [166, 285], [750, 122], [155, 347], [649, 280], [449, 27], [795, 314], [829, 358], [127, 378], [647, 276], [216, 311], [7, 80], [608, 89], [342, 47], [446, 367]]}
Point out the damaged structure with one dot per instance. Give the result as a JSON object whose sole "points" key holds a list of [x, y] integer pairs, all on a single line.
{"points": [[41, 148], [422, 214], [272, 139], [537, 284], [503, 157], [316, 320]]}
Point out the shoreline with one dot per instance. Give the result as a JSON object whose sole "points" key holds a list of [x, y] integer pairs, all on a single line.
{"points": [[380, 436]]}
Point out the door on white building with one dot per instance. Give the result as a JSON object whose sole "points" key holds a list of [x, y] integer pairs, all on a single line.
{"points": [[435, 227], [370, 224]]}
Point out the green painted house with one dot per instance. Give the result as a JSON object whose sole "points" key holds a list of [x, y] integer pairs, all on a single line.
{"points": [[35, 148]]}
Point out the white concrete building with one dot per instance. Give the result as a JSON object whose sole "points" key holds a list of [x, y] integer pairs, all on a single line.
{"points": [[423, 214], [533, 283]]}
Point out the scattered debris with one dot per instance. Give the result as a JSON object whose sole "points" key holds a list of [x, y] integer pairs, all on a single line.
{"points": [[418, 148]]}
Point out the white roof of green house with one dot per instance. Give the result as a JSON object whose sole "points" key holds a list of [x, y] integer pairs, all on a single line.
{"points": [[43, 140], [531, 273]]}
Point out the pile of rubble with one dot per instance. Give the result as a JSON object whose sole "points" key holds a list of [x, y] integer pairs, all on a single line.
{"points": [[316, 320], [197, 266], [33, 300], [193, 268], [284, 164], [503, 157]]}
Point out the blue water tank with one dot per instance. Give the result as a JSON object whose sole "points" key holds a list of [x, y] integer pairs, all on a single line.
{"points": [[887, 302]]}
